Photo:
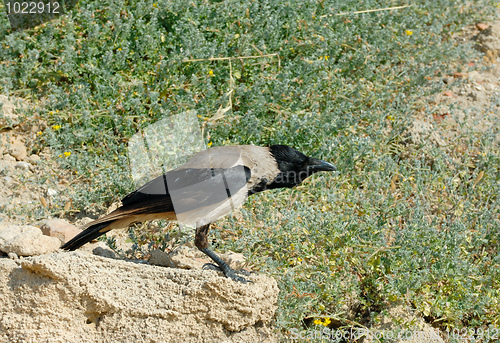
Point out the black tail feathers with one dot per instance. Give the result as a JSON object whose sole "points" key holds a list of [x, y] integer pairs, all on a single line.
{"points": [[92, 232]]}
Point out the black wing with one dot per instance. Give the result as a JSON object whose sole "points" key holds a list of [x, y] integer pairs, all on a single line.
{"points": [[184, 190]]}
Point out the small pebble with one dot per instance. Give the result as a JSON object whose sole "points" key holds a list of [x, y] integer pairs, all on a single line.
{"points": [[482, 26], [51, 192], [34, 158], [22, 165], [8, 158]]}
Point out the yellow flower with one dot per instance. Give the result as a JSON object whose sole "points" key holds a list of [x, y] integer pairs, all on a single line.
{"points": [[299, 259], [327, 321], [318, 322], [408, 32], [209, 144], [39, 133], [67, 153], [326, 57], [56, 127], [211, 73]]}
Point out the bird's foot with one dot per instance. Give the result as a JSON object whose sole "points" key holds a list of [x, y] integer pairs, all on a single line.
{"points": [[230, 272], [233, 275]]}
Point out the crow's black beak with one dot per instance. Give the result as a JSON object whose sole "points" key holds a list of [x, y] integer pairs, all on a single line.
{"points": [[317, 165]]}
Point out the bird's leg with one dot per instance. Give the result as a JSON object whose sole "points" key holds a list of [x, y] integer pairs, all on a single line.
{"points": [[201, 242]]}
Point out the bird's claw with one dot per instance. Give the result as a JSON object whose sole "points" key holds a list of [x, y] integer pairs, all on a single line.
{"points": [[232, 274], [211, 266]]}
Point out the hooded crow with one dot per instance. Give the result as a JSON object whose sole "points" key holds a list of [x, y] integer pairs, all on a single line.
{"points": [[210, 185]]}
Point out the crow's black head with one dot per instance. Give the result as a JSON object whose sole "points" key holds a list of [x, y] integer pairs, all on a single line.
{"points": [[295, 167]]}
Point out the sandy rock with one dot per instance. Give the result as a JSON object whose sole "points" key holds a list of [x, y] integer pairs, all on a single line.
{"points": [[22, 165], [99, 248], [234, 260], [158, 257], [51, 192], [16, 149], [60, 229], [489, 40], [482, 26], [8, 180], [26, 241], [182, 257], [76, 297], [9, 158], [185, 257], [34, 158], [6, 166], [83, 221], [7, 108]]}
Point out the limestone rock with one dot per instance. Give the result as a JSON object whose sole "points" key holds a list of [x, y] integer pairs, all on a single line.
{"points": [[22, 165], [489, 40], [182, 257], [34, 158], [191, 258], [100, 249], [60, 229], [8, 113], [13, 146], [76, 297], [6, 166], [26, 240], [17, 149], [234, 260]]}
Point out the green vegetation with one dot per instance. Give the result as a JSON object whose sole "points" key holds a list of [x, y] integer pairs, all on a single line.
{"points": [[402, 223]]}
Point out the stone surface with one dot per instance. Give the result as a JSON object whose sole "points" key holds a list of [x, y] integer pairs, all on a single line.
{"points": [[60, 229], [191, 258], [22, 165], [182, 257], [26, 240], [8, 113], [76, 297], [489, 39], [482, 26], [234, 260], [16, 149]]}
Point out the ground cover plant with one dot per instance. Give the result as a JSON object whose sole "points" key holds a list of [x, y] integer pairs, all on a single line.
{"points": [[402, 223]]}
